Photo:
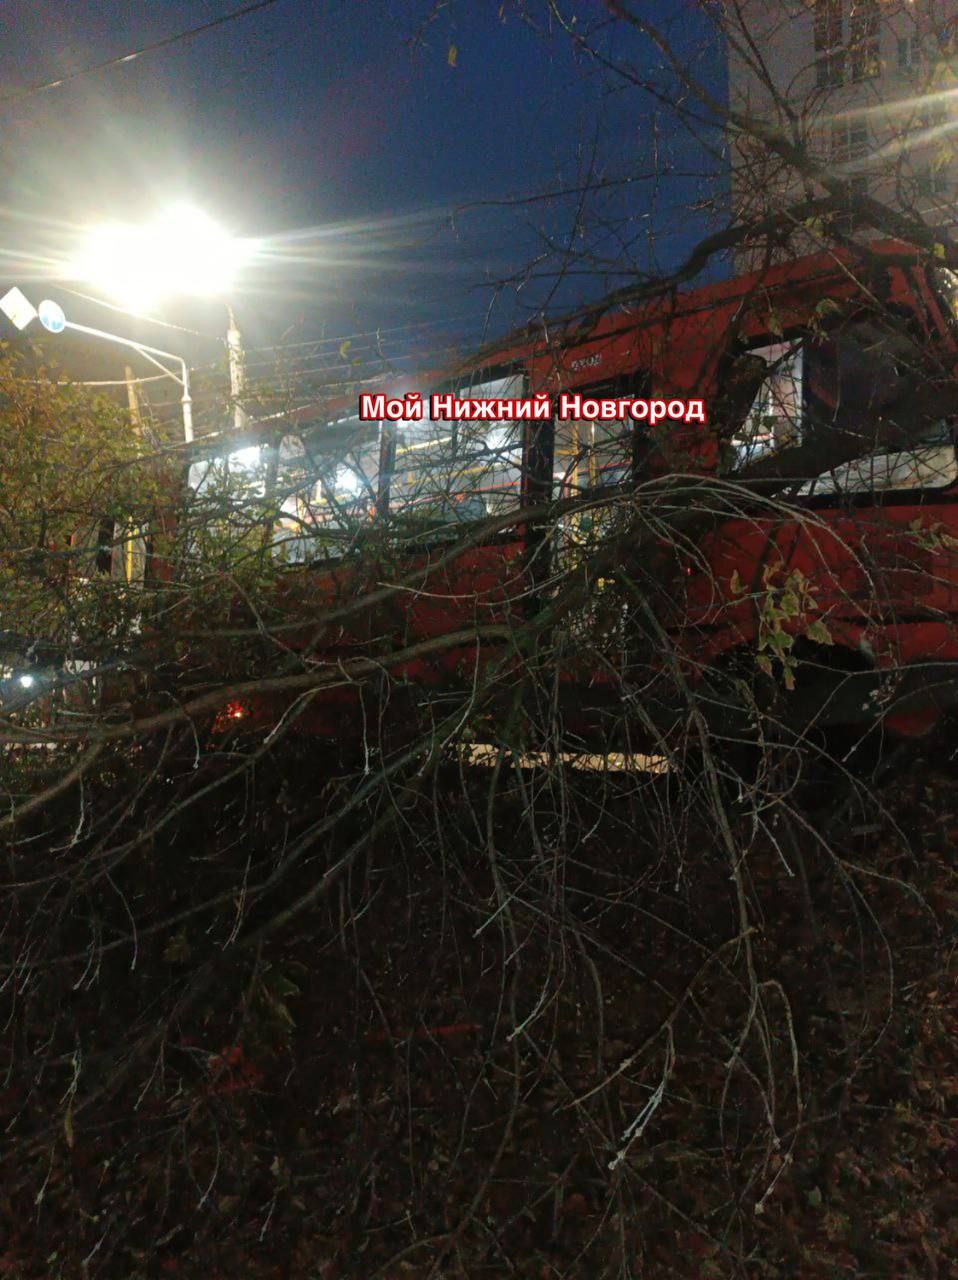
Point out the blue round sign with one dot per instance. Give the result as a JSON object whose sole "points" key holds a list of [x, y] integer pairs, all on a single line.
{"points": [[51, 316]]}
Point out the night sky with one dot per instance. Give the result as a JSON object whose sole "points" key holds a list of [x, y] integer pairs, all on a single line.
{"points": [[341, 135]]}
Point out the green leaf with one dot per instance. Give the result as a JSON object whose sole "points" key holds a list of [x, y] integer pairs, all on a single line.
{"points": [[819, 633], [452, 56]]}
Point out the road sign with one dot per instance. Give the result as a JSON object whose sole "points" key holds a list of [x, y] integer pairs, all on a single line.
{"points": [[17, 308], [51, 316]]}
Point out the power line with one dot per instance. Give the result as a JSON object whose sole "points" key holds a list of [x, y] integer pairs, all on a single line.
{"points": [[74, 382], [136, 315], [367, 333], [94, 67]]}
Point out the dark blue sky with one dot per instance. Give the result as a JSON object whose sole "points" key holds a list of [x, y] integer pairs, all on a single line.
{"points": [[355, 150]]}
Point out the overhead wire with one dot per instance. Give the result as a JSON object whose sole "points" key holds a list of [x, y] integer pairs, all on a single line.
{"points": [[138, 315], [374, 360], [367, 333], [153, 47], [83, 382]]}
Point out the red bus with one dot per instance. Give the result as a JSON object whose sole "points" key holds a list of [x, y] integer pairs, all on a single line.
{"points": [[842, 573]]}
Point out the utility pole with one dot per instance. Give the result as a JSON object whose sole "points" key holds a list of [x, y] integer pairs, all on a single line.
{"points": [[133, 400], [234, 346]]}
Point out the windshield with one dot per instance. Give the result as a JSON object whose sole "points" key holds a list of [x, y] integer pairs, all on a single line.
{"points": [[927, 466], [846, 383]]}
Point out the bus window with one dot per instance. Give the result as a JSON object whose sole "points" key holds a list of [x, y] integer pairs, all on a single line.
{"points": [[450, 471], [321, 481], [242, 472], [128, 563], [842, 381], [927, 466], [775, 416], [489, 465], [590, 456], [326, 485]]}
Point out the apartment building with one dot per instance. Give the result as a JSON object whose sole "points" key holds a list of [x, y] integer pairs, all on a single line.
{"points": [[867, 87]]}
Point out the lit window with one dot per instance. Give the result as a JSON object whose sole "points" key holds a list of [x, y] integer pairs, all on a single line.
{"points": [[849, 141]]}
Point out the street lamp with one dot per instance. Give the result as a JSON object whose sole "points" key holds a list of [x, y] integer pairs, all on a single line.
{"points": [[21, 311], [149, 353], [181, 251]]}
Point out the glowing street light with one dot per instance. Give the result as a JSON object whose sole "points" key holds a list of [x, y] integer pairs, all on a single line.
{"points": [[182, 251]]}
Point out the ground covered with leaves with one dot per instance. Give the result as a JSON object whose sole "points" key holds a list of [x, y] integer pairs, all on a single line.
{"points": [[482, 1022]]}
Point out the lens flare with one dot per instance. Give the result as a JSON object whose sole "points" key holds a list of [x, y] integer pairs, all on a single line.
{"points": [[180, 252]]}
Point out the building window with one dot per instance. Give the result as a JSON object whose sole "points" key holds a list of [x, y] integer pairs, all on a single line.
{"points": [[828, 24], [830, 70], [909, 53], [849, 141]]}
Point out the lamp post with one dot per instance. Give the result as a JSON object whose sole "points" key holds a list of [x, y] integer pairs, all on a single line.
{"points": [[21, 312], [234, 348], [180, 252], [149, 353]]}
